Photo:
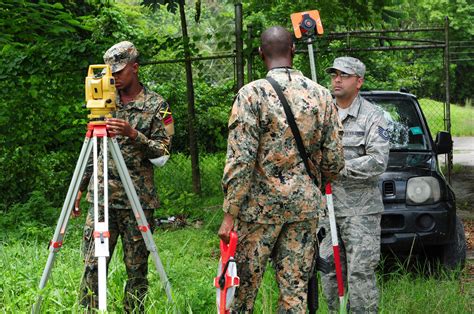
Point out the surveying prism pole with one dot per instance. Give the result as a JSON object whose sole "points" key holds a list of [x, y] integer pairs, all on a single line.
{"points": [[312, 63], [335, 246], [308, 24]]}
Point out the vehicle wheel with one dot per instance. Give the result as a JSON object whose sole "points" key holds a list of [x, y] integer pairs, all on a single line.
{"points": [[454, 254]]}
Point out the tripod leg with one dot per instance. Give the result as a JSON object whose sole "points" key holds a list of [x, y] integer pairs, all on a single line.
{"points": [[101, 228], [56, 242], [140, 216]]}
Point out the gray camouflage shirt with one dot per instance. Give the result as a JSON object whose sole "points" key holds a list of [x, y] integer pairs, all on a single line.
{"points": [[366, 149], [265, 180], [145, 115]]}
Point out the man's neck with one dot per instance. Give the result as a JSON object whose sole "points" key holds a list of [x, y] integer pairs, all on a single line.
{"points": [[129, 94], [279, 63], [345, 103]]}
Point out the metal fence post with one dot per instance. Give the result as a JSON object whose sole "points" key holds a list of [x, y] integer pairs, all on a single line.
{"points": [[250, 54], [447, 105], [239, 45]]}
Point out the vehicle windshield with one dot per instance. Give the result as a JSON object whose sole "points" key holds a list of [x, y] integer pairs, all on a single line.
{"points": [[404, 125]]}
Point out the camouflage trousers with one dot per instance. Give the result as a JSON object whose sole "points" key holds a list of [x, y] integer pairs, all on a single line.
{"points": [[122, 222], [359, 245], [291, 248]]}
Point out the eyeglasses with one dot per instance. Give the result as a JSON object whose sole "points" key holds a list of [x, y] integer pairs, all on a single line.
{"points": [[343, 75]]}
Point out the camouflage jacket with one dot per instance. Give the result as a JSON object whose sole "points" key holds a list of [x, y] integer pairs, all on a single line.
{"points": [[366, 148], [265, 180], [146, 114]]}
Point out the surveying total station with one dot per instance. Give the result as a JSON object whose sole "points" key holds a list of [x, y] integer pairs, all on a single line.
{"points": [[100, 93], [101, 101]]}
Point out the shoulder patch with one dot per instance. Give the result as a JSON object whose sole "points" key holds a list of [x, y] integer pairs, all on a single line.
{"points": [[383, 133], [165, 113]]}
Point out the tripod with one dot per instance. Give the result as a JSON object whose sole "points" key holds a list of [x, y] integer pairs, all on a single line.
{"points": [[97, 130]]}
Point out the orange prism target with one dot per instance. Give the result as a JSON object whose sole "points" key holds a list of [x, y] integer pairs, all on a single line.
{"points": [[307, 22]]}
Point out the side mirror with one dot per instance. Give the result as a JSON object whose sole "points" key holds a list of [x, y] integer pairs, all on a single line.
{"points": [[444, 142]]}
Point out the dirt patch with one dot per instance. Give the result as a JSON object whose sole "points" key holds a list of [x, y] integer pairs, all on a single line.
{"points": [[462, 181]]}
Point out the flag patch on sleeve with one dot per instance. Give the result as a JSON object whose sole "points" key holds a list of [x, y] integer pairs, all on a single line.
{"points": [[166, 115], [167, 120], [383, 133]]}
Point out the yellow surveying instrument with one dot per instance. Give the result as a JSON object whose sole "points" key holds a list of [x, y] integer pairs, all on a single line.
{"points": [[100, 92], [100, 97]]}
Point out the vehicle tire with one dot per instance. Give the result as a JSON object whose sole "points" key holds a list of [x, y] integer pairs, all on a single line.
{"points": [[454, 254]]}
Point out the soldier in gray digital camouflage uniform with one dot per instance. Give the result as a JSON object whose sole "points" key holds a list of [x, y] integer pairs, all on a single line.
{"points": [[143, 126], [357, 199], [270, 200]]}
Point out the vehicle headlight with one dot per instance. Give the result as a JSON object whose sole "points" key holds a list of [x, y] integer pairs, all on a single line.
{"points": [[423, 190]]}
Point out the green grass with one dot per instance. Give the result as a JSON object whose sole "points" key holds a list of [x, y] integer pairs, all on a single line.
{"points": [[190, 256], [462, 118]]}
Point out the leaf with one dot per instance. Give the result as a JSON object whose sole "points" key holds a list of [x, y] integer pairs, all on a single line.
{"points": [[58, 6]]}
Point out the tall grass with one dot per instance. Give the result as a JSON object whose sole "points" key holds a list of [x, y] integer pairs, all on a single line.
{"points": [[189, 254], [190, 258]]}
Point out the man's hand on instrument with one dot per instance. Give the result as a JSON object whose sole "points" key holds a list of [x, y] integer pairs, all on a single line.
{"points": [[121, 127]]}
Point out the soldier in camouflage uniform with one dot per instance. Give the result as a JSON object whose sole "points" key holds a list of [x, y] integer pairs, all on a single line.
{"points": [[357, 199], [143, 126], [270, 200]]}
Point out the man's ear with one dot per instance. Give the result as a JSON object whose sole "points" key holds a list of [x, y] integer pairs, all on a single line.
{"points": [[293, 50], [135, 67], [260, 52], [360, 81]]}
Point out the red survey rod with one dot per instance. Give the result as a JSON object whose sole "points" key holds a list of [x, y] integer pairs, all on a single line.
{"points": [[335, 245]]}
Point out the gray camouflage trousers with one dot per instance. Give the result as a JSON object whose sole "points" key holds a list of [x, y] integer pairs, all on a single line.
{"points": [[359, 245], [291, 248], [122, 222]]}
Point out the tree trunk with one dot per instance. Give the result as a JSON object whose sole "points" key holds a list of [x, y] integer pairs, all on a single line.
{"points": [[193, 148]]}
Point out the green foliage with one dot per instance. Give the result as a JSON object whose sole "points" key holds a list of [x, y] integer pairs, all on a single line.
{"points": [[212, 109], [420, 71], [48, 45], [33, 217], [38, 117], [48, 48], [175, 187]]}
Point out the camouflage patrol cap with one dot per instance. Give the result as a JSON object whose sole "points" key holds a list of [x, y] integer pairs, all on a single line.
{"points": [[348, 65], [120, 54]]}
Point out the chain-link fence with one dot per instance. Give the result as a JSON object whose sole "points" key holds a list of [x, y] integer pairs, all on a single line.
{"points": [[412, 59], [214, 84]]}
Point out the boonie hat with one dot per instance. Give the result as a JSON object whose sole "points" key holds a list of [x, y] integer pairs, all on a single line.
{"points": [[348, 65], [119, 55]]}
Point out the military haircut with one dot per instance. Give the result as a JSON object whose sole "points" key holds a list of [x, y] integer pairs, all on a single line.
{"points": [[276, 41]]}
